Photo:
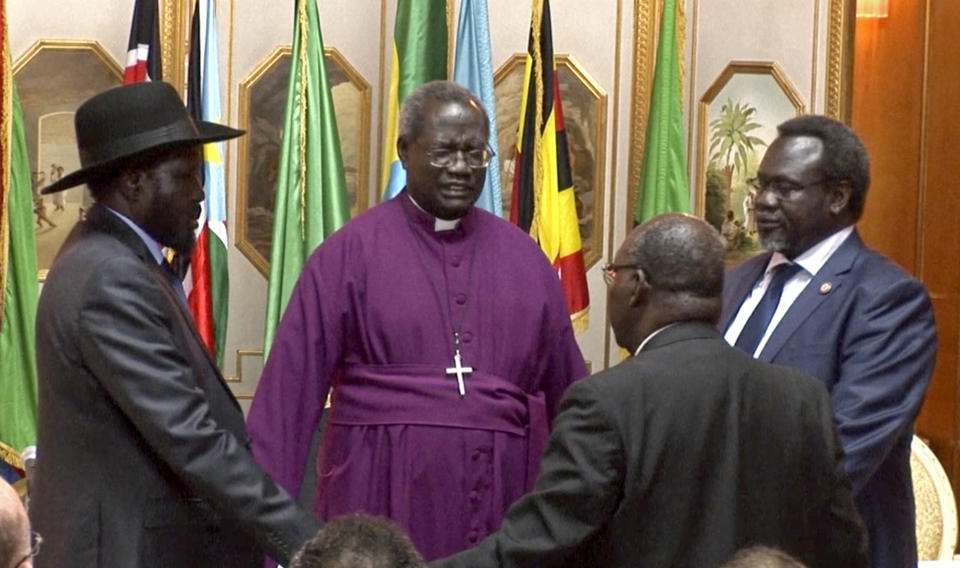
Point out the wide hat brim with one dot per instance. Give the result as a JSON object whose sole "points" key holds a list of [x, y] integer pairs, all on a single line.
{"points": [[126, 121], [204, 132]]}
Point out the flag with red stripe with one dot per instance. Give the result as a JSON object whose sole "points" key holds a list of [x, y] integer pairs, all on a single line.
{"points": [[544, 203], [206, 281], [143, 49]]}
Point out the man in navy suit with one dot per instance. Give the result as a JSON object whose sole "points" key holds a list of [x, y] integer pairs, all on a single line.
{"points": [[690, 449], [822, 302]]}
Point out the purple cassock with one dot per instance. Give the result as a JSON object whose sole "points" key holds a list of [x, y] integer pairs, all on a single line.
{"points": [[373, 317]]}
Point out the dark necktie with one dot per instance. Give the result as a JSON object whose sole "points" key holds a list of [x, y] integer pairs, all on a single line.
{"points": [[756, 325], [174, 280]]}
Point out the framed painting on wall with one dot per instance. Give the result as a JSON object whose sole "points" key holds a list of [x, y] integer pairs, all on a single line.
{"points": [[54, 77], [263, 96], [585, 115], [739, 115]]}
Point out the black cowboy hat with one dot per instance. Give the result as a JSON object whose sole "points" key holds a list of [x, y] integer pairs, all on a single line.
{"points": [[125, 121]]}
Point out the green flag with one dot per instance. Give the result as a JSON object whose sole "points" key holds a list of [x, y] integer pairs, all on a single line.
{"points": [[419, 55], [311, 198], [663, 178], [18, 279]]}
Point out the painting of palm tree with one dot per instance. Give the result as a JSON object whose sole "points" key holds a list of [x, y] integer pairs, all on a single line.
{"points": [[738, 119], [731, 144]]}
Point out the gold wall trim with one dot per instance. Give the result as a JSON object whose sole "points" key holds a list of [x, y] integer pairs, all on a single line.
{"points": [[646, 14], [241, 353], [840, 35], [69, 44], [381, 103], [175, 40], [692, 91], [815, 60], [614, 150]]}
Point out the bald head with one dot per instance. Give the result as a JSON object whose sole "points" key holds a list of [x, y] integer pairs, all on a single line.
{"points": [[677, 276], [14, 527], [679, 254]]}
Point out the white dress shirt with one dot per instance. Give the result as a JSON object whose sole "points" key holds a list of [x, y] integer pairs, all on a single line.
{"points": [[811, 261]]}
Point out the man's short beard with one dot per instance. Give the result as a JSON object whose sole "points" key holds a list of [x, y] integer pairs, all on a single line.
{"points": [[186, 247], [773, 244]]}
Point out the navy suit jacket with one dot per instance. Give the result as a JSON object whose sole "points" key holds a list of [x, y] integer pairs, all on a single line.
{"points": [[865, 328]]}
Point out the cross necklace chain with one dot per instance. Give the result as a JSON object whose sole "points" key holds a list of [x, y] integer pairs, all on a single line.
{"points": [[458, 368]]}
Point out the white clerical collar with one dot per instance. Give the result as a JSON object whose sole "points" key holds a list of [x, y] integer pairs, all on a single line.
{"points": [[813, 259], [651, 336], [438, 223]]}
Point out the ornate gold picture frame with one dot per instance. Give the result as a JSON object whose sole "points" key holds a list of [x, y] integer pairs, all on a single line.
{"points": [[263, 96], [585, 121], [54, 77]]}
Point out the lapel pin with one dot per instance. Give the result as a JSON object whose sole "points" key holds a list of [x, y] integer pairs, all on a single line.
{"points": [[826, 287]]}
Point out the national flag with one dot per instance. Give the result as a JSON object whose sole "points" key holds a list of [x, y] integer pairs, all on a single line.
{"points": [[18, 277], [473, 68], [544, 203], [663, 176], [311, 198], [419, 56], [143, 49], [206, 281]]}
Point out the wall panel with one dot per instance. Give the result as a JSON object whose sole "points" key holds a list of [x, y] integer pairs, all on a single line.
{"points": [[939, 262], [887, 113]]}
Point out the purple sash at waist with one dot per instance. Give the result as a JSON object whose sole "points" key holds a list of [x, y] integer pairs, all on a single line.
{"points": [[368, 395]]}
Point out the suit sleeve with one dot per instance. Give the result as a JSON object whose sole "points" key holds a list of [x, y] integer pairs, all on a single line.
{"points": [[128, 343], [843, 542], [886, 361], [578, 490]]}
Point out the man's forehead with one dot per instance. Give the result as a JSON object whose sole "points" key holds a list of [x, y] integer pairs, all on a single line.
{"points": [[792, 152]]}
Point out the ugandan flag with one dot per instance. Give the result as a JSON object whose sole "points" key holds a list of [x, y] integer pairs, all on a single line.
{"points": [[419, 55], [543, 201]]}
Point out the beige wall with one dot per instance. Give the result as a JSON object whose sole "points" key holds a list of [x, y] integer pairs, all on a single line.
{"points": [[599, 34]]}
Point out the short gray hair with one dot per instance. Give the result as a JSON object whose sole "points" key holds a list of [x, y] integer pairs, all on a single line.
{"points": [[412, 110]]}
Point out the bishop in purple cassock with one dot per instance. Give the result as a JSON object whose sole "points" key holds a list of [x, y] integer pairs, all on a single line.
{"points": [[444, 336]]}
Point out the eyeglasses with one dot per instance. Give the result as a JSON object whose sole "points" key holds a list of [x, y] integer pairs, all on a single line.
{"points": [[447, 157], [610, 271], [780, 187], [35, 541]]}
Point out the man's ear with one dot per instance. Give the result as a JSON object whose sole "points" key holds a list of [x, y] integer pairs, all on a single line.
{"points": [[641, 287], [402, 148], [129, 185], [838, 197]]}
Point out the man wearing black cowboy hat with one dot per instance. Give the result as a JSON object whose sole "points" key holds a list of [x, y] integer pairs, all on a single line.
{"points": [[142, 455]]}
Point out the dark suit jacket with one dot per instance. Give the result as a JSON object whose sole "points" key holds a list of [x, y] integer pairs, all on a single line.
{"points": [[142, 456], [865, 328], [678, 457]]}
